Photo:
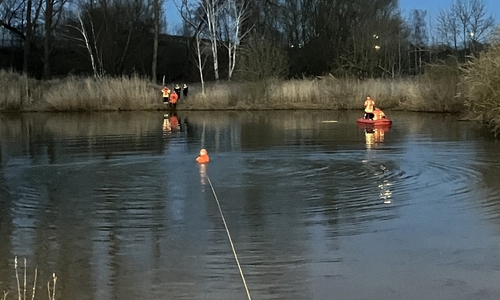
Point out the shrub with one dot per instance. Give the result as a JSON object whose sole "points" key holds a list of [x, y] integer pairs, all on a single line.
{"points": [[481, 87]]}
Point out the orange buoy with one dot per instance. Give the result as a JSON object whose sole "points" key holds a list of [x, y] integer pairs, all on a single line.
{"points": [[203, 157]]}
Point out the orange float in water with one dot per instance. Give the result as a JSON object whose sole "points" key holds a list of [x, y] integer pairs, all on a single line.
{"points": [[203, 157]]}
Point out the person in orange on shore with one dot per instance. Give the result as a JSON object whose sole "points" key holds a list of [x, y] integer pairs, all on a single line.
{"points": [[378, 114], [369, 106], [203, 157], [166, 93], [173, 99]]}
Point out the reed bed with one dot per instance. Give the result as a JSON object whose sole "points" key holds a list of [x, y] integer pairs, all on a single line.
{"points": [[420, 94], [76, 94], [481, 88], [135, 93]]}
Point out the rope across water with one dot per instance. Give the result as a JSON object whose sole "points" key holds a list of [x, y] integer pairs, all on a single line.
{"points": [[229, 236]]}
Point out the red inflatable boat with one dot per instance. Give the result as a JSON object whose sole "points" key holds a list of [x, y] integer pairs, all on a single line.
{"points": [[379, 122]]}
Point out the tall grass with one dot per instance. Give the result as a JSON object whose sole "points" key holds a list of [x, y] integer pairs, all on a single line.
{"points": [[420, 94], [481, 88], [76, 94], [125, 93], [425, 93]]}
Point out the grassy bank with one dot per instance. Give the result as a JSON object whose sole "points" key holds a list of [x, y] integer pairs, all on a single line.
{"points": [[76, 94], [134, 93]]}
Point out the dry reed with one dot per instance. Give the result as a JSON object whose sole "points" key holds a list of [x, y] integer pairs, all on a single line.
{"points": [[481, 88], [329, 93], [135, 93]]}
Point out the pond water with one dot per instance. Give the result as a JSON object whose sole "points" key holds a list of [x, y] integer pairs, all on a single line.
{"points": [[316, 207]]}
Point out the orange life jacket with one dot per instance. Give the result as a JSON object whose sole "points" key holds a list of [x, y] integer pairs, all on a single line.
{"points": [[165, 91], [203, 159], [173, 98], [369, 104], [378, 114]]}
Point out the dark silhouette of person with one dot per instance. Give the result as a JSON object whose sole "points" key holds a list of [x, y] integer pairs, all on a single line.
{"points": [[185, 90]]}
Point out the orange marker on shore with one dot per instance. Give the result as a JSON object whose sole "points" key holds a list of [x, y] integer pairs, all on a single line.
{"points": [[203, 157]]}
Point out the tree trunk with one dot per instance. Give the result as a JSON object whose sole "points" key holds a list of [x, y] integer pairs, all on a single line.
{"points": [[47, 44], [27, 42], [156, 7]]}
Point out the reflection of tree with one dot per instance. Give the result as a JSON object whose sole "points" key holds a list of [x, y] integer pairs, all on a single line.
{"points": [[91, 134]]}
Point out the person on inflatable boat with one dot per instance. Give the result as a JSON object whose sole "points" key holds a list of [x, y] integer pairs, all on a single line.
{"points": [[378, 114], [369, 106]]}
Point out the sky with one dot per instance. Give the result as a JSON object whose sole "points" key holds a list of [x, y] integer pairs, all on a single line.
{"points": [[431, 6], [434, 6]]}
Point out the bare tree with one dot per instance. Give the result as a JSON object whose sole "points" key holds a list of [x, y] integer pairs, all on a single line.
{"points": [[90, 44], [479, 23], [206, 12], [12, 17], [260, 59], [419, 37], [156, 8], [27, 41], [211, 19], [473, 20], [233, 16], [448, 28], [191, 18], [52, 18], [200, 61]]}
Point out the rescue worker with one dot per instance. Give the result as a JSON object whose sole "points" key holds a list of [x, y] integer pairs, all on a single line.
{"points": [[166, 94], [185, 90], [173, 100], [177, 90], [369, 106], [203, 157], [378, 114]]}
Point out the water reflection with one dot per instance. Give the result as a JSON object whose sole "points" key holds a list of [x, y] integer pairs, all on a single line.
{"points": [[116, 205], [203, 176], [375, 135], [170, 123]]}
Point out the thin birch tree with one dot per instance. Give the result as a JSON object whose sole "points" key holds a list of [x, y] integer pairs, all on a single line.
{"points": [[200, 61], [207, 13], [235, 13], [89, 42], [194, 18], [211, 19]]}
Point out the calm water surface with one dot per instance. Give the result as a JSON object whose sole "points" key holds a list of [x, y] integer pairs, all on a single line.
{"points": [[317, 208]]}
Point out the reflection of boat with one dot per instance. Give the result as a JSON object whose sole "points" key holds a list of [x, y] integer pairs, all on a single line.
{"points": [[380, 122], [375, 135]]}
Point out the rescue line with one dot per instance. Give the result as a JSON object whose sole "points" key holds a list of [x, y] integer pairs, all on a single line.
{"points": [[203, 159]]}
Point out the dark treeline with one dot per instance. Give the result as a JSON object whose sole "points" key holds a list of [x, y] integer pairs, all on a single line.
{"points": [[240, 39]]}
